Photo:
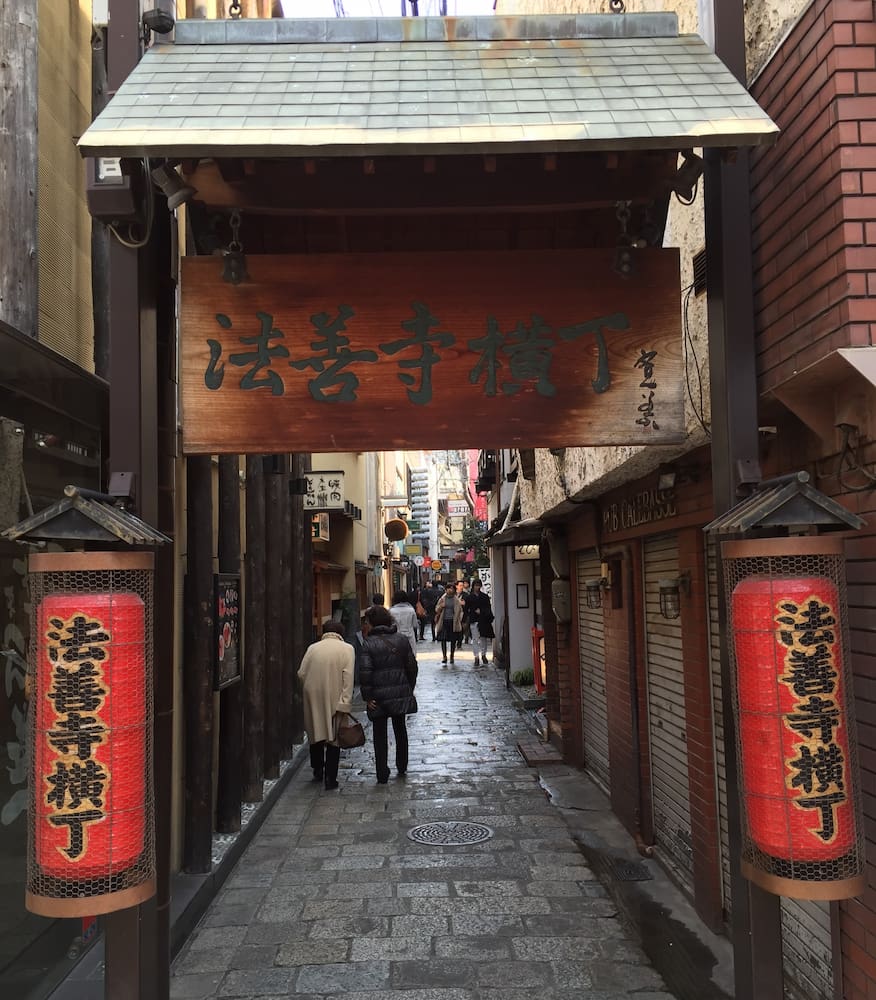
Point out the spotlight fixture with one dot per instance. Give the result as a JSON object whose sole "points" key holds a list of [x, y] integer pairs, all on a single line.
{"points": [[173, 187], [688, 175], [159, 21]]}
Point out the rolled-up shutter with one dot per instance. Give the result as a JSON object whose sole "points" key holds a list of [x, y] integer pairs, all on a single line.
{"points": [[670, 790], [806, 952], [594, 707]]}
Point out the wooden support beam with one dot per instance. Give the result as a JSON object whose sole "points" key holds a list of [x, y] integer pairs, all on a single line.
{"points": [[490, 164], [254, 632], [275, 482], [302, 592], [198, 656], [230, 777], [430, 165], [550, 162], [289, 663]]}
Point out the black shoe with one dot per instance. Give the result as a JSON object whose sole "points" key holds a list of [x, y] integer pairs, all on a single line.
{"points": [[382, 781], [444, 661], [486, 661], [402, 772], [330, 786], [317, 776]]}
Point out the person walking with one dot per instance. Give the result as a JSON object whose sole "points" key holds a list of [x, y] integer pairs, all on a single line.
{"points": [[479, 614], [462, 592], [389, 676], [448, 620], [326, 675], [429, 598], [405, 618]]}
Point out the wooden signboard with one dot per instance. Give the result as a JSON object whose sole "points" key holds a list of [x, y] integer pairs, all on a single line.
{"points": [[369, 352]]}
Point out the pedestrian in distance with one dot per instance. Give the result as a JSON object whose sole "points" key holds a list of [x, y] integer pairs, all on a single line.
{"points": [[479, 614], [462, 592], [448, 621], [389, 676], [377, 600], [405, 618], [326, 675], [429, 598]]}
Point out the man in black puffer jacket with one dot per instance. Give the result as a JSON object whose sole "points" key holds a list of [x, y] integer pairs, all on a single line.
{"points": [[388, 675]]}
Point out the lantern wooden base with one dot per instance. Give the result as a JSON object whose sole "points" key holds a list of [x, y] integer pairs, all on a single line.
{"points": [[89, 906], [845, 888]]}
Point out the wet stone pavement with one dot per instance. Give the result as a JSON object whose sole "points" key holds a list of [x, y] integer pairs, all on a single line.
{"points": [[333, 900]]}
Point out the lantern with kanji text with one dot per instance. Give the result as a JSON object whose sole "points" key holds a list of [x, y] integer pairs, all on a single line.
{"points": [[799, 788], [91, 842]]}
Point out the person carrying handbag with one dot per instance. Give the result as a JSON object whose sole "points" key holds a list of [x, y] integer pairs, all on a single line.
{"points": [[448, 621], [326, 675], [388, 678]]}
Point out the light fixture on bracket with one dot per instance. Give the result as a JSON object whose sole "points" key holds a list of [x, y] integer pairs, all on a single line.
{"points": [[594, 590], [172, 186], [156, 21], [671, 590]]}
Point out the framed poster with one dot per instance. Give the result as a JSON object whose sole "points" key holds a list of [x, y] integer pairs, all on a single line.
{"points": [[227, 643], [522, 595]]}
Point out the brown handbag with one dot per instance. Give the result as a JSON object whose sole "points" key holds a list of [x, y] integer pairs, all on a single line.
{"points": [[350, 733]]}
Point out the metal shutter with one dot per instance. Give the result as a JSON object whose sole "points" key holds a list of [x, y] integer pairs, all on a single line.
{"points": [[718, 724], [806, 951], [670, 789], [594, 707]]}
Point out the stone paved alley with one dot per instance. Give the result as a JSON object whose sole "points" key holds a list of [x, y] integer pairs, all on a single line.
{"points": [[332, 899]]}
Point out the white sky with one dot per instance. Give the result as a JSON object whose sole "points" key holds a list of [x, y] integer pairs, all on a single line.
{"points": [[383, 8]]}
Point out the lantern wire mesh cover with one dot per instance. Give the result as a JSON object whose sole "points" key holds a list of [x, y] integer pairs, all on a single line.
{"points": [[802, 831], [91, 829]]}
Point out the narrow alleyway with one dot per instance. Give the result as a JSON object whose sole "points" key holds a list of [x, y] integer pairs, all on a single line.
{"points": [[332, 898]]}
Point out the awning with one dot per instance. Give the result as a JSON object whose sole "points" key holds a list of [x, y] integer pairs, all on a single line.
{"points": [[525, 532], [368, 86]]}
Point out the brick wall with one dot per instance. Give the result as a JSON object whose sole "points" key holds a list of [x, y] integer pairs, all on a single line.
{"points": [[814, 227], [814, 192]]}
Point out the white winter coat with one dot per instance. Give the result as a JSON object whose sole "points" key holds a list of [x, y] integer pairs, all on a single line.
{"points": [[326, 673], [406, 623]]}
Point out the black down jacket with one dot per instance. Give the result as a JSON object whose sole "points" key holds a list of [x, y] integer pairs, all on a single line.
{"points": [[388, 673]]}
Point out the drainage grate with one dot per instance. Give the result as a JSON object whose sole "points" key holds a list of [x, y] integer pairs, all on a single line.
{"points": [[452, 833], [626, 871]]}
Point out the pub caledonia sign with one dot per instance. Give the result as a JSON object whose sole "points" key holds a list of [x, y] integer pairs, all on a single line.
{"points": [[374, 351]]}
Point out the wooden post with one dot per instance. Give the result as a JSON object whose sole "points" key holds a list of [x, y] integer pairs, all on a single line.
{"points": [[275, 483], [254, 632], [18, 154], [302, 593], [290, 664], [198, 642], [228, 790]]}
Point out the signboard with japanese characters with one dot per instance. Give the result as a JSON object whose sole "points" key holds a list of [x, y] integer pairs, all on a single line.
{"points": [[325, 491], [525, 552], [227, 670], [362, 352], [457, 508]]}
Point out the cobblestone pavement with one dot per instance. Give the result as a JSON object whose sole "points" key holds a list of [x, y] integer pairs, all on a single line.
{"points": [[333, 900]]}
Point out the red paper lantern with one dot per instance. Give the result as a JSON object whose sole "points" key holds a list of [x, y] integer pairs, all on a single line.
{"points": [[90, 735], [793, 731]]}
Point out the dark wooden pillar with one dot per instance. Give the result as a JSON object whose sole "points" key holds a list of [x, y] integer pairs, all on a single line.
{"points": [[275, 555], [756, 928], [302, 592], [198, 655], [18, 153], [254, 632], [290, 663], [229, 779]]}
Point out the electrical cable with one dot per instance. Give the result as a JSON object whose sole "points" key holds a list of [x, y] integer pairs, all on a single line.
{"points": [[855, 466], [689, 345], [131, 243]]}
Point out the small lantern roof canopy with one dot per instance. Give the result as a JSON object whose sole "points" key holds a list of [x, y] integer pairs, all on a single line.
{"points": [[788, 502], [86, 516]]}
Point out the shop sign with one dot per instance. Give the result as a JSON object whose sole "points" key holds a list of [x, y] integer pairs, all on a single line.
{"points": [[413, 550], [525, 552], [325, 491], [359, 352], [320, 527], [643, 508], [457, 508], [227, 670]]}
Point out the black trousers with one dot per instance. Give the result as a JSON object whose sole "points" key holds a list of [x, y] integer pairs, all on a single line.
{"points": [[324, 759], [431, 621], [381, 745], [455, 641]]}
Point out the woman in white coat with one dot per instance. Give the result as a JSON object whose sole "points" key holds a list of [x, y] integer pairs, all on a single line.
{"points": [[326, 674], [405, 618]]}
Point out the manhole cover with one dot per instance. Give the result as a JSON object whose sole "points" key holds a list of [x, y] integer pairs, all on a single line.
{"points": [[450, 834]]}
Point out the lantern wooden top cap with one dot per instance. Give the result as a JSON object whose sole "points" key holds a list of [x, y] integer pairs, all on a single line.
{"points": [[74, 562]]}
